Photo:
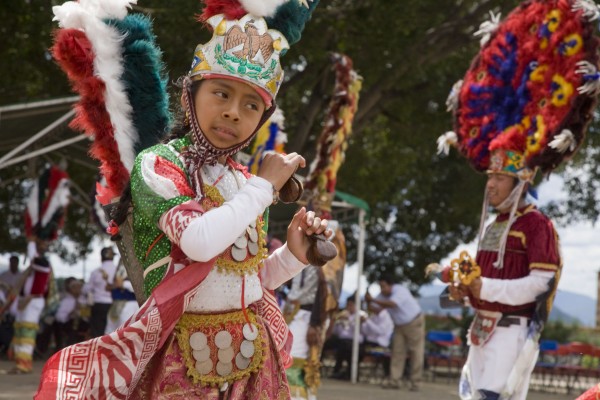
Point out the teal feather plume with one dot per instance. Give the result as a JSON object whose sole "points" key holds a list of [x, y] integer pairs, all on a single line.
{"points": [[290, 18], [144, 79]]}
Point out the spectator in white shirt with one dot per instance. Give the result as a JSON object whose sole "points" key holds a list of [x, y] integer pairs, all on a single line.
{"points": [[11, 277], [102, 298], [377, 331], [341, 340], [71, 326], [409, 331]]}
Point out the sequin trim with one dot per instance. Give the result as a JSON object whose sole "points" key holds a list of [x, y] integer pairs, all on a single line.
{"points": [[225, 263], [210, 324]]}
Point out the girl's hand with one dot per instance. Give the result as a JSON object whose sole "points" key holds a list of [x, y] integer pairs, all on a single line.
{"points": [[303, 225], [278, 168]]}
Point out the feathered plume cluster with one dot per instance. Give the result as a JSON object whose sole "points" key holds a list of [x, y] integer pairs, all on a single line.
{"points": [[270, 137], [285, 16], [49, 197], [319, 188], [112, 61], [531, 88]]}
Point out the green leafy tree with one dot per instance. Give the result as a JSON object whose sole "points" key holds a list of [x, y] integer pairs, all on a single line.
{"points": [[409, 54]]}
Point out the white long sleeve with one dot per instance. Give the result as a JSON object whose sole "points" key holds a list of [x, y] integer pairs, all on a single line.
{"points": [[515, 292], [378, 328], [209, 235], [280, 267]]}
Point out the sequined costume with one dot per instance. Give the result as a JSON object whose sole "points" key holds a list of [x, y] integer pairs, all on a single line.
{"points": [[208, 326], [233, 284]]}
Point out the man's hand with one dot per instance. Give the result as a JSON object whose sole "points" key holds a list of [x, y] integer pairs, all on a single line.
{"points": [[368, 297], [457, 293], [303, 225], [475, 288]]}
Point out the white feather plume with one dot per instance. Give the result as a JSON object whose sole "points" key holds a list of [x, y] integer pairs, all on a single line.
{"points": [[487, 28], [591, 77], [106, 41], [564, 141], [445, 141], [262, 8], [452, 100], [590, 9]]}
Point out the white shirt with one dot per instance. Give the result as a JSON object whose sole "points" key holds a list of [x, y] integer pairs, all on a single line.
{"points": [[378, 328], [407, 308], [344, 326], [209, 235], [96, 285], [9, 278], [66, 306]]}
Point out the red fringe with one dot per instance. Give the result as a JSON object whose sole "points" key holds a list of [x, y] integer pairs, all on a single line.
{"points": [[73, 52], [231, 8]]}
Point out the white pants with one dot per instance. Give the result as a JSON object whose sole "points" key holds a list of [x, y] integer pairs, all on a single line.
{"points": [[299, 327], [490, 365]]}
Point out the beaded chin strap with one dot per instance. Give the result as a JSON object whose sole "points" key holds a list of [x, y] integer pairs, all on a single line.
{"points": [[202, 151]]}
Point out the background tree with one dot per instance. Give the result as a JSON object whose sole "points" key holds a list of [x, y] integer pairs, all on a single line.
{"points": [[409, 54]]}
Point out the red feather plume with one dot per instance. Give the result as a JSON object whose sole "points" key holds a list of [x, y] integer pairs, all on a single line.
{"points": [[73, 51]]}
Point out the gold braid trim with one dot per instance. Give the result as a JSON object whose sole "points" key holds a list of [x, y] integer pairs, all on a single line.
{"points": [[312, 369], [298, 392], [205, 323]]}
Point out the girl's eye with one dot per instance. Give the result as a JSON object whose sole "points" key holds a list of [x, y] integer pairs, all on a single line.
{"points": [[221, 94], [252, 106]]}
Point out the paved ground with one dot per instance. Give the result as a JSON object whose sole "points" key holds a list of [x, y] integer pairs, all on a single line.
{"points": [[22, 387]]}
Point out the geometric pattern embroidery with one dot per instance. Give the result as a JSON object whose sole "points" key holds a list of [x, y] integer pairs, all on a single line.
{"points": [[177, 219], [272, 314]]}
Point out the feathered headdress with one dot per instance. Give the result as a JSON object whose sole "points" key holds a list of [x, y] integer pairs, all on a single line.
{"points": [[319, 187], [528, 96], [248, 38], [525, 102]]}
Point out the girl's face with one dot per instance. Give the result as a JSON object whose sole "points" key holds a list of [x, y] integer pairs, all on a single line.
{"points": [[228, 111]]}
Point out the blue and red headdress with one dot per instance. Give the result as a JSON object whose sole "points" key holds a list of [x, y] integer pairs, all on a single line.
{"points": [[525, 102]]}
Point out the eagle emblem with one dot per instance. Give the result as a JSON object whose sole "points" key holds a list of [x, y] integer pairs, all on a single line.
{"points": [[252, 43]]}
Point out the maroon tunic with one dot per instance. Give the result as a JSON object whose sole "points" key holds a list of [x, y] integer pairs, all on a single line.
{"points": [[532, 243]]}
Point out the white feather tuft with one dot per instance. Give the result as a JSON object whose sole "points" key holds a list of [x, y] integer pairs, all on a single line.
{"points": [[564, 141], [433, 268], [452, 100], [60, 199], [487, 28], [590, 9], [262, 8], [591, 77], [445, 141], [69, 16]]}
